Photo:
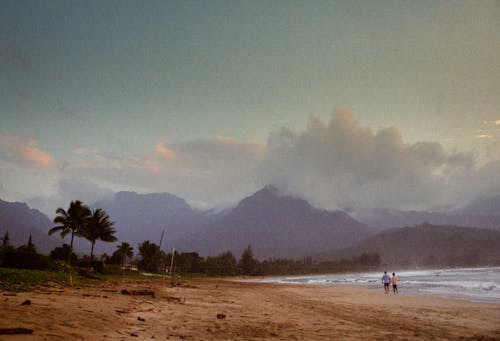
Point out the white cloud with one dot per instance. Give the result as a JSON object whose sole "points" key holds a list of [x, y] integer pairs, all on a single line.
{"points": [[343, 164]]}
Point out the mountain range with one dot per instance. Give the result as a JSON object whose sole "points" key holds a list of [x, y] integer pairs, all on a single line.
{"points": [[140, 217], [427, 245], [274, 224], [277, 226]]}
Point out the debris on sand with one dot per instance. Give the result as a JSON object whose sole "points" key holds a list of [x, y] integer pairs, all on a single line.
{"points": [[10, 331], [144, 292]]}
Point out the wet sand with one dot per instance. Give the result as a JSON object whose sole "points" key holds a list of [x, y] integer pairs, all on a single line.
{"points": [[252, 311]]}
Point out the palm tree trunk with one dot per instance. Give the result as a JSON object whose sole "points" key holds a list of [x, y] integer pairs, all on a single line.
{"points": [[69, 258], [71, 247], [92, 251]]}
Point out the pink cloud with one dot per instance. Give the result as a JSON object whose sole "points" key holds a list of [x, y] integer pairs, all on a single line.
{"points": [[26, 152], [165, 152]]}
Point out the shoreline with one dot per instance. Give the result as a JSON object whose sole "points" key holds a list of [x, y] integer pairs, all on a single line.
{"points": [[455, 283], [247, 311], [406, 291]]}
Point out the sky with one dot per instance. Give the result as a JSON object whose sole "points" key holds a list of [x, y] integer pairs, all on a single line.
{"points": [[348, 104]]}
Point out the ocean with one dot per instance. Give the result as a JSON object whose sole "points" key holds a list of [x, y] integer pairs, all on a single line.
{"points": [[474, 284]]}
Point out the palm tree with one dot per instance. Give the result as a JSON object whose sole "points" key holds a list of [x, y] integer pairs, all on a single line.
{"points": [[126, 251], [98, 227], [70, 221], [150, 256]]}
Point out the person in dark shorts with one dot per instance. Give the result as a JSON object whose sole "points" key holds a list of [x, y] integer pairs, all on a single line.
{"points": [[386, 280], [394, 281]]}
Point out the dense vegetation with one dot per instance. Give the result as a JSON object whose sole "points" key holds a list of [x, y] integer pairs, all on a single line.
{"points": [[152, 259]]}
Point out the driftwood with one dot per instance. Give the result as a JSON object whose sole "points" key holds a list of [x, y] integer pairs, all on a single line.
{"points": [[8, 331], [144, 292], [173, 299]]}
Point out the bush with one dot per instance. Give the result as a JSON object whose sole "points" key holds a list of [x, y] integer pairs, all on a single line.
{"points": [[62, 253], [21, 259], [96, 265]]}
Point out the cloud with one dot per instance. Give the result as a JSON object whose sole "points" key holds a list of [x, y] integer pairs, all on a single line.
{"points": [[25, 153], [68, 189], [493, 150], [341, 164], [492, 122], [211, 154], [337, 163], [163, 151], [207, 156], [208, 172]]}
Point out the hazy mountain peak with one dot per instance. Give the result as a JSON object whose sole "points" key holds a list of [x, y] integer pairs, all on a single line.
{"points": [[21, 221], [16, 204], [271, 197]]}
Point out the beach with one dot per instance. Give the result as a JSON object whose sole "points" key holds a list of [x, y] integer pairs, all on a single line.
{"points": [[223, 309]]}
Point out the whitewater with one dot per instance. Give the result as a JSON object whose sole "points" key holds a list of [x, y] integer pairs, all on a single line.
{"points": [[474, 284]]}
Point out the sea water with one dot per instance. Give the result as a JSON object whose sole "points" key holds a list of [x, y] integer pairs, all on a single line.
{"points": [[476, 284]]}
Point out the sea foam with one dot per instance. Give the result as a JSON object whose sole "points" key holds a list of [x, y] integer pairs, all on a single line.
{"points": [[477, 284]]}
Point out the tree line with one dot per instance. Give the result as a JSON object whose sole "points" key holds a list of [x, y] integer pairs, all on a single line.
{"points": [[151, 259], [226, 264], [80, 221]]}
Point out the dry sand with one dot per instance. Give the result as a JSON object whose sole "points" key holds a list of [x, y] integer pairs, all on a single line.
{"points": [[253, 311]]}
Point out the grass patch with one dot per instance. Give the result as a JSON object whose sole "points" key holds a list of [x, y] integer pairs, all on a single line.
{"points": [[17, 280], [25, 280]]}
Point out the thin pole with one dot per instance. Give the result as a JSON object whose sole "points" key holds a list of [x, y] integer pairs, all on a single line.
{"points": [[172, 262], [161, 239]]}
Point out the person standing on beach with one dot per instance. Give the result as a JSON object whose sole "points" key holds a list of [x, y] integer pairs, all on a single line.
{"points": [[394, 281], [386, 280]]}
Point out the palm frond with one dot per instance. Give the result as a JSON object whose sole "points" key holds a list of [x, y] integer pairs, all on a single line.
{"points": [[55, 229]]}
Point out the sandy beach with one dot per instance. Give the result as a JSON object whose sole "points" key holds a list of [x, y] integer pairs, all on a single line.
{"points": [[247, 311]]}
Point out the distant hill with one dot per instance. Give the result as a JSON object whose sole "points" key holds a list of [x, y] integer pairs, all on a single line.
{"points": [[140, 217], [480, 215], [428, 245], [277, 226], [21, 222], [484, 206]]}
